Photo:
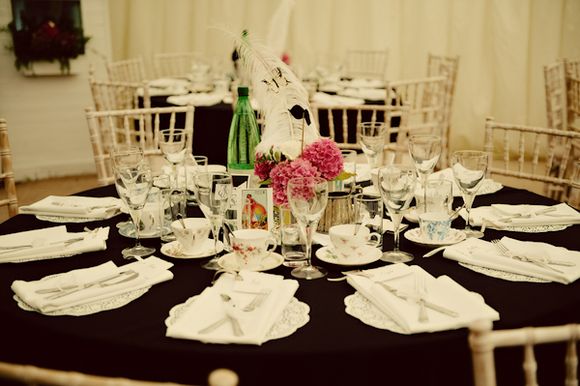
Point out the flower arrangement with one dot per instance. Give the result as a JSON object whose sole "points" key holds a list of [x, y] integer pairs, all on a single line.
{"points": [[47, 41], [321, 158]]}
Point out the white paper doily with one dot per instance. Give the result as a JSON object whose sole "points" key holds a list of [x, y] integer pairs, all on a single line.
{"points": [[62, 220], [531, 228], [365, 311], [294, 316], [111, 303], [503, 274]]}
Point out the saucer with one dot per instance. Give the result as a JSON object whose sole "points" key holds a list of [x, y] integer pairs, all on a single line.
{"points": [[370, 255], [128, 230], [229, 262], [454, 236], [173, 249]]}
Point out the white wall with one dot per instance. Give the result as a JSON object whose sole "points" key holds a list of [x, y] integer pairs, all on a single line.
{"points": [[45, 114]]}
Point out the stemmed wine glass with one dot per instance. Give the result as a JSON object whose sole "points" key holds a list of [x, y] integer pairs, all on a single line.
{"points": [[308, 197], [372, 138], [469, 168], [126, 155], [425, 150], [397, 187], [214, 191], [133, 184]]}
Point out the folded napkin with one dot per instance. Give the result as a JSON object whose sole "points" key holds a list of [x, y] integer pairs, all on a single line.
{"points": [[363, 172], [499, 216], [402, 304], [485, 254], [324, 99], [371, 94], [49, 243], [210, 308], [197, 99], [74, 206], [169, 82], [88, 285]]}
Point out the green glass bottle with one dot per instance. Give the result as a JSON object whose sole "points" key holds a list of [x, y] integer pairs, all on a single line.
{"points": [[244, 134]]}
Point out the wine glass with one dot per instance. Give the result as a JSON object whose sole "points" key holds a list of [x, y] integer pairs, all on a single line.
{"points": [[425, 151], [133, 184], [172, 144], [308, 197], [214, 191], [372, 138], [126, 155], [397, 187], [469, 168]]}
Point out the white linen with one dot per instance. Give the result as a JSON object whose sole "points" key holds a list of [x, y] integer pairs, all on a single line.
{"points": [[501, 215], [209, 308], [150, 271], [49, 242], [197, 99], [324, 99], [73, 206], [442, 291], [485, 254], [370, 94]]}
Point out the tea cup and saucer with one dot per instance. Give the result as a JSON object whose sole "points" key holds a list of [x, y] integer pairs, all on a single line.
{"points": [[192, 240], [350, 244]]}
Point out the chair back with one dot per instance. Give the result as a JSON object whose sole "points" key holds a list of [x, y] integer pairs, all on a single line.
{"points": [[128, 70], [526, 154], [573, 84], [33, 375], [425, 98], [8, 198], [366, 64], [341, 123], [138, 127], [483, 341], [174, 64], [572, 68], [109, 95], [556, 98]]}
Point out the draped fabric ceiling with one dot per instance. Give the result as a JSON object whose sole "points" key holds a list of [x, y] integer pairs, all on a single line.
{"points": [[503, 44]]}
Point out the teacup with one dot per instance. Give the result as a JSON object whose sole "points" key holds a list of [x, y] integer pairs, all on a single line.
{"points": [[434, 226], [193, 236], [347, 239], [252, 246]]}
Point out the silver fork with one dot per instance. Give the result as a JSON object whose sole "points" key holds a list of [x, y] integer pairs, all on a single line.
{"points": [[257, 301], [507, 253]]}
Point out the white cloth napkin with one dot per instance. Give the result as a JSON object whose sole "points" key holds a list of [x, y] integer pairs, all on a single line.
{"points": [[363, 172], [74, 206], [142, 274], [324, 99], [197, 99], [441, 291], [503, 215], [48, 243], [485, 254], [209, 308]]}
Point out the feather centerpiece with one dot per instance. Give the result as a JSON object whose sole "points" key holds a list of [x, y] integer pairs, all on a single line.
{"points": [[283, 100]]}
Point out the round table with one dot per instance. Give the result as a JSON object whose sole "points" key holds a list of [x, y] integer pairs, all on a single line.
{"points": [[333, 348]]}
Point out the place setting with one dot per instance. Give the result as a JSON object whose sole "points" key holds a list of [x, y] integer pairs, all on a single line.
{"points": [[240, 308], [351, 244], [73, 209], [90, 290], [192, 240]]}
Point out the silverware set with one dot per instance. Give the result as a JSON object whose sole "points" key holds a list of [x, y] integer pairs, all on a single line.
{"points": [[62, 291], [37, 244], [541, 262]]}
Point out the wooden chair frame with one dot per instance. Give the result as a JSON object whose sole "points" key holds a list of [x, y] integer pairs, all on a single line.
{"points": [[370, 64], [128, 70], [483, 340], [6, 173], [174, 64], [556, 98], [552, 147], [139, 127]]}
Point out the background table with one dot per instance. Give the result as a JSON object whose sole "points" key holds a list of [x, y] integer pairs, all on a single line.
{"points": [[332, 349]]}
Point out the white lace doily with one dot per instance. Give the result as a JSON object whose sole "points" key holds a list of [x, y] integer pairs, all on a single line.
{"points": [[294, 316], [531, 228], [365, 311], [62, 220], [111, 303], [503, 274]]}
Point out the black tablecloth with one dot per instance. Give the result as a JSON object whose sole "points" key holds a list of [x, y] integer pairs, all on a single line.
{"points": [[332, 349]]}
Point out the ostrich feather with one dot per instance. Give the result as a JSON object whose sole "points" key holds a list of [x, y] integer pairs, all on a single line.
{"points": [[278, 28], [283, 100]]}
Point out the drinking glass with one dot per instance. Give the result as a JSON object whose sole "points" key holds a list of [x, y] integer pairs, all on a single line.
{"points": [[194, 164], [368, 211], [469, 168], [425, 151], [126, 155], [133, 184], [372, 138], [308, 197], [214, 191], [172, 144], [397, 187]]}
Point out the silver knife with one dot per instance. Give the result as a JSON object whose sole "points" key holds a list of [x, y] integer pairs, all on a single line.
{"points": [[428, 304]]}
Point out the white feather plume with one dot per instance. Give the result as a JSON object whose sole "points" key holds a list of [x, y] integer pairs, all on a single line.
{"points": [[278, 28], [278, 91]]}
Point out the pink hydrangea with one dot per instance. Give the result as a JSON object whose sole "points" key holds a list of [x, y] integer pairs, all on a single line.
{"points": [[263, 166], [286, 170], [325, 156]]}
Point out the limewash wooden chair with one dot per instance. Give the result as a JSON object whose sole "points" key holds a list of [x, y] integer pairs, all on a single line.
{"points": [[8, 196]]}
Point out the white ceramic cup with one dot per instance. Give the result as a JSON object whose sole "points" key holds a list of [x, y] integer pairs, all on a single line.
{"points": [[252, 246], [193, 236], [434, 226], [348, 239]]}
